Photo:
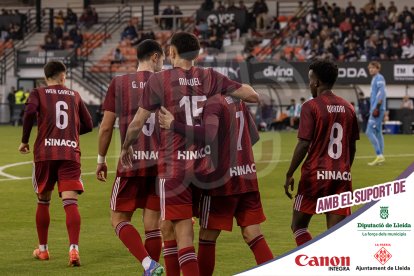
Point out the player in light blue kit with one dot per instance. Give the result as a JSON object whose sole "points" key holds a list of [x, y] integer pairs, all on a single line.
{"points": [[376, 113]]}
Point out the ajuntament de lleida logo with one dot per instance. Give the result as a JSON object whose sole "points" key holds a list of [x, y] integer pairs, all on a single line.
{"points": [[384, 212]]}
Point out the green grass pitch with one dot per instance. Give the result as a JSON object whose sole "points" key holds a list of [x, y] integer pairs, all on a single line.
{"points": [[101, 251]]}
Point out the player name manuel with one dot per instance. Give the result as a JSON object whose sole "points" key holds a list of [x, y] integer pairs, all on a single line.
{"points": [[60, 92], [193, 154], [243, 169], [189, 82], [51, 142], [145, 155]]}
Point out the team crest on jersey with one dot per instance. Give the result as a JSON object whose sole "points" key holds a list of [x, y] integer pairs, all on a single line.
{"points": [[384, 212]]}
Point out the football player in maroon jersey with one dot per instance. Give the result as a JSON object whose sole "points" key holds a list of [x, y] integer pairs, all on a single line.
{"points": [[327, 135], [134, 187], [183, 90], [61, 117], [229, 181]]}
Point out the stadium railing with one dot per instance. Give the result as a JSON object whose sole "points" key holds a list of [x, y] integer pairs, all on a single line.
{"points": [[275, 43], [97, 83]]}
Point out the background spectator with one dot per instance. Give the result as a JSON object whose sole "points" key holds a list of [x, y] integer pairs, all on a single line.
{"points": [[363, 109], [260, 11], [129, 32], [167, 23], [11, 100], [118, 57]]}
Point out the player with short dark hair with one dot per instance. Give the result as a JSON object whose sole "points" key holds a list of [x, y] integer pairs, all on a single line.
{"points": [[328, 131], [228, 181], [62, 117], [134, 187], [182, 90], [376, 112]]}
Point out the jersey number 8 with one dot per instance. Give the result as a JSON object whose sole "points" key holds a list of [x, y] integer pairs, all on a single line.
{"points": [[335, 140]]}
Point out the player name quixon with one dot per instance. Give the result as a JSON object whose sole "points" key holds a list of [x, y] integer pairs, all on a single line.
{"points": [[60, 92], [335, 108], [359, 196]]}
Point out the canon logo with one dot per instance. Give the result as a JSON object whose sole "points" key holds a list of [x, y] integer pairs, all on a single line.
{"points": [[278, 71], [352, 73], [304, 260]]}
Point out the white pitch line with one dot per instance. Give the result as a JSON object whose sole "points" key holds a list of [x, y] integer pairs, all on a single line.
{"points": [[356, 157], [29, 177], [13, 177], [12, 165]]}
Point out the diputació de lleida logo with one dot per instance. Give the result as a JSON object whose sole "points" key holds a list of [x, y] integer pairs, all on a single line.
{"points": [[384, 212]]}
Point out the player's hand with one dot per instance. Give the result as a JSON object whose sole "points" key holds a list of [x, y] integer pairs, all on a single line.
{"points": [[126, 157], [101, 172], [165, 118], [375, 113], [290, 182], [24, 148]]}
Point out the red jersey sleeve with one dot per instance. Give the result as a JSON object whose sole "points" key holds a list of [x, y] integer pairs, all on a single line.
{"points": [[222, 84], [307, 122], [151, 99], [109, 103], [33, 98], [32, 106], [254, 134]]}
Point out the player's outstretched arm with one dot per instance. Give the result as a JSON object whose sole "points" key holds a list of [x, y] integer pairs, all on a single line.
{"points": [[28, 121], [246, 93], [134, 129], [104, 140], [298, 156], [205, 134]]}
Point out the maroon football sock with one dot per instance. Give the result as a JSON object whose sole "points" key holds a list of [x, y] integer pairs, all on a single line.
{"points": [[302, 236], [171, 263], [206, 257], [73, 219], [260, 249], [188, 261], [153, 244], [42, 220], [131, 239]]}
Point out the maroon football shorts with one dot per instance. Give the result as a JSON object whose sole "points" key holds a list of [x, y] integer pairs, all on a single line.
{"points": [[66, 173], [217, 212], [178, 199], [307, 205], [131, 193]]}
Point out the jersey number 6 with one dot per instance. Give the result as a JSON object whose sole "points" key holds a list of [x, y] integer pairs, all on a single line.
{"points": [[61, 115]]}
